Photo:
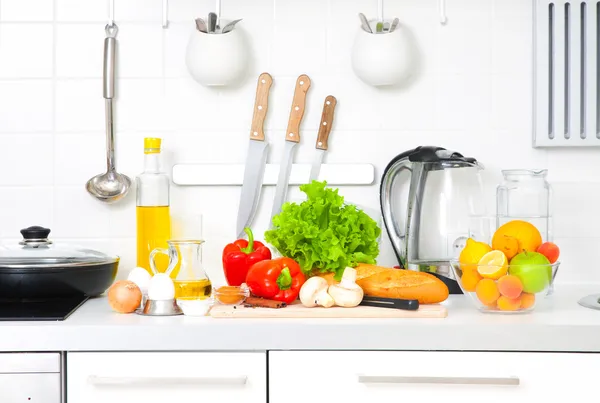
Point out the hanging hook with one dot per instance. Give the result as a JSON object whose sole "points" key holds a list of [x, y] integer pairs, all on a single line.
{"points": [[165, 14], [111, 13], [443, 17]]}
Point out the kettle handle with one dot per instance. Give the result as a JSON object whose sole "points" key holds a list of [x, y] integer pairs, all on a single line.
{"points": [[396, 235]]}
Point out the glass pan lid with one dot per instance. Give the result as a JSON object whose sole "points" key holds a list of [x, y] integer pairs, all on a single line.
{"points": [[36, 250]]}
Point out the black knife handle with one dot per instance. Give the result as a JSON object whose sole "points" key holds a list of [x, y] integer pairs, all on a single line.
{"points": [[406, 304]]}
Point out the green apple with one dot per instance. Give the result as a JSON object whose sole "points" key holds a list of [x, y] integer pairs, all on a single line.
{"points": [[533, 269]]}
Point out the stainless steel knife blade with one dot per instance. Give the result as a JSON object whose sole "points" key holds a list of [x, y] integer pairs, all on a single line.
{"points": [[251, 189], [323, 136], [256, 158], [292, 138]]}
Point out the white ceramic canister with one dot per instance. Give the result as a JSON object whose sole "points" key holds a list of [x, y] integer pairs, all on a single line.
{"points": [[217, 59], [382, 59]]}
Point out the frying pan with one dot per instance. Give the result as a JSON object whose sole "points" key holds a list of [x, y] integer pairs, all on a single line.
{"points": [[38, 269]]}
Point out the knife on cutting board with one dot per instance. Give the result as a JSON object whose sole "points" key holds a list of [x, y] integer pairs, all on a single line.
{"points": [[292, 138], [323, 136], [406, 304], [256, 158]]}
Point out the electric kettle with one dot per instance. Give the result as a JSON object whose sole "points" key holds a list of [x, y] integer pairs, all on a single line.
{"points": [[429, 199]]}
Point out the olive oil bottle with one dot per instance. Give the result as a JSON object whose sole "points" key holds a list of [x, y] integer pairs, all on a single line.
{"points": [[152, 212]]}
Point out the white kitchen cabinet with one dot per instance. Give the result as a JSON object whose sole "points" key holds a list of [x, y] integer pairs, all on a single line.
{"points": [[166, 377], [451, 377], [30, 388], [30, 378]]}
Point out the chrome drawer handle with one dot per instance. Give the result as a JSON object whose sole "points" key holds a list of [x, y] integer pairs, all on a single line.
{"points": [[167, 381], [440, 380]]}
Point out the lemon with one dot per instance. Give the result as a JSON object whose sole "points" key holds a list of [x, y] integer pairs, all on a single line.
{"points": [[493, 265], [472, 254]]}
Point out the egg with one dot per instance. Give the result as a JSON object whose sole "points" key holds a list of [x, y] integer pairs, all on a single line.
{"points": [[141, 277], [161, 287]]}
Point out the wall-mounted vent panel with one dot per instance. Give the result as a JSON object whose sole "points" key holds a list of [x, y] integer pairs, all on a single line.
{"points": [[567, 62]]}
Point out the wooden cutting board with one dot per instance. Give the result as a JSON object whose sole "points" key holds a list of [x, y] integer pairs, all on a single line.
{"points": [[299, 311]]}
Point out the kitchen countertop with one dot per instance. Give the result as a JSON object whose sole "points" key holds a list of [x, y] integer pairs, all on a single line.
{"points": [[559, 325]]}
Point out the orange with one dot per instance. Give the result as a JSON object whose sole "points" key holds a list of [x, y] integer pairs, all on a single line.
{"points": [[472, 253], [527, 235], [487, 292], [469, 280], [508, 245], [493, 265]]}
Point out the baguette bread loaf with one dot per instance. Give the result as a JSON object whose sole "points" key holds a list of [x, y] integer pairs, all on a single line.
{"points": [[386, 282]]}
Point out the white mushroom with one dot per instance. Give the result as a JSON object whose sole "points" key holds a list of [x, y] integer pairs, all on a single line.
{"points": [[347, 293], [314, 292]]}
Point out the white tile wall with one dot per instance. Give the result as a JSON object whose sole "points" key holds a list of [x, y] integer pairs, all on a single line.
{"points": [[471, 92]]}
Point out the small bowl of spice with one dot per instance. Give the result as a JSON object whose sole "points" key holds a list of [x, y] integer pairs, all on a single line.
{"points": [[231, 295]]}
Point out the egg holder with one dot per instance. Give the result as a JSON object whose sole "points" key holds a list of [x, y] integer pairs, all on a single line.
{"points": [[163, 306], [166, 306]]}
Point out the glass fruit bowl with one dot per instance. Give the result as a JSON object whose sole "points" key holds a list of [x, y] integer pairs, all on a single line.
{"points": [[505, 289]]}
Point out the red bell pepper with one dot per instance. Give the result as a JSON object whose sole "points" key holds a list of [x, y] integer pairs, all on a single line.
{"points": [[240, 255], [279, 279]]}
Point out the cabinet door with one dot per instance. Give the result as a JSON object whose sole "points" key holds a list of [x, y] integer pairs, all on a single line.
{"points": [[166, 377], [451, 377], [30, 388]]}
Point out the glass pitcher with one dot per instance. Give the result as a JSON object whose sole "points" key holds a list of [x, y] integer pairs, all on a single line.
{"points": [[525, 195], [185, 268]]}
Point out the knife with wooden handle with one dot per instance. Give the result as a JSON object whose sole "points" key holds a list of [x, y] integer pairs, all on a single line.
{"points": [[292, 138], [323, 136], [256, 158]]}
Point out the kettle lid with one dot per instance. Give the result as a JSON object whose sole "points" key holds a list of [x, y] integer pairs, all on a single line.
{"points": [[434, 154]]}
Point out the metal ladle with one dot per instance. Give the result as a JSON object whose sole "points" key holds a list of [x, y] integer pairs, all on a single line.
{"points": [[110, 186]]}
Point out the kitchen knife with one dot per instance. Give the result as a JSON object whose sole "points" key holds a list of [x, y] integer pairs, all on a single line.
{"points": [[406, 304], [323, 136], [292, 138], [256, 158]]}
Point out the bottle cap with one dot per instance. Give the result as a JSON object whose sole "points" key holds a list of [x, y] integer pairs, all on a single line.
{"points": [[152, 145]]}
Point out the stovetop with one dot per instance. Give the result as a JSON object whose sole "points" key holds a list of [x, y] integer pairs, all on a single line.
{"points": [[54, 309]]}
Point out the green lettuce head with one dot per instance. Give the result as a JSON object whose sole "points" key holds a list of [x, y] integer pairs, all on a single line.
{"points": [[323, 234]]}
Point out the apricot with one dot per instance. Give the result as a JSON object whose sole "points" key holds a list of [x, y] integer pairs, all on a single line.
{"points": [[527, 300], [469, 280], [550, 250], [487, 291], [509, 304], [510, 286]]}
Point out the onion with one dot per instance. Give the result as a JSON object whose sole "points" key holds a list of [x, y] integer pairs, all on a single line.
{"points": [[124, 296]]}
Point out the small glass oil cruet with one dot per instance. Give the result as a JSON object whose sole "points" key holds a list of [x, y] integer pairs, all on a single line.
{"points": [[185, 268], [525, 195]]}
